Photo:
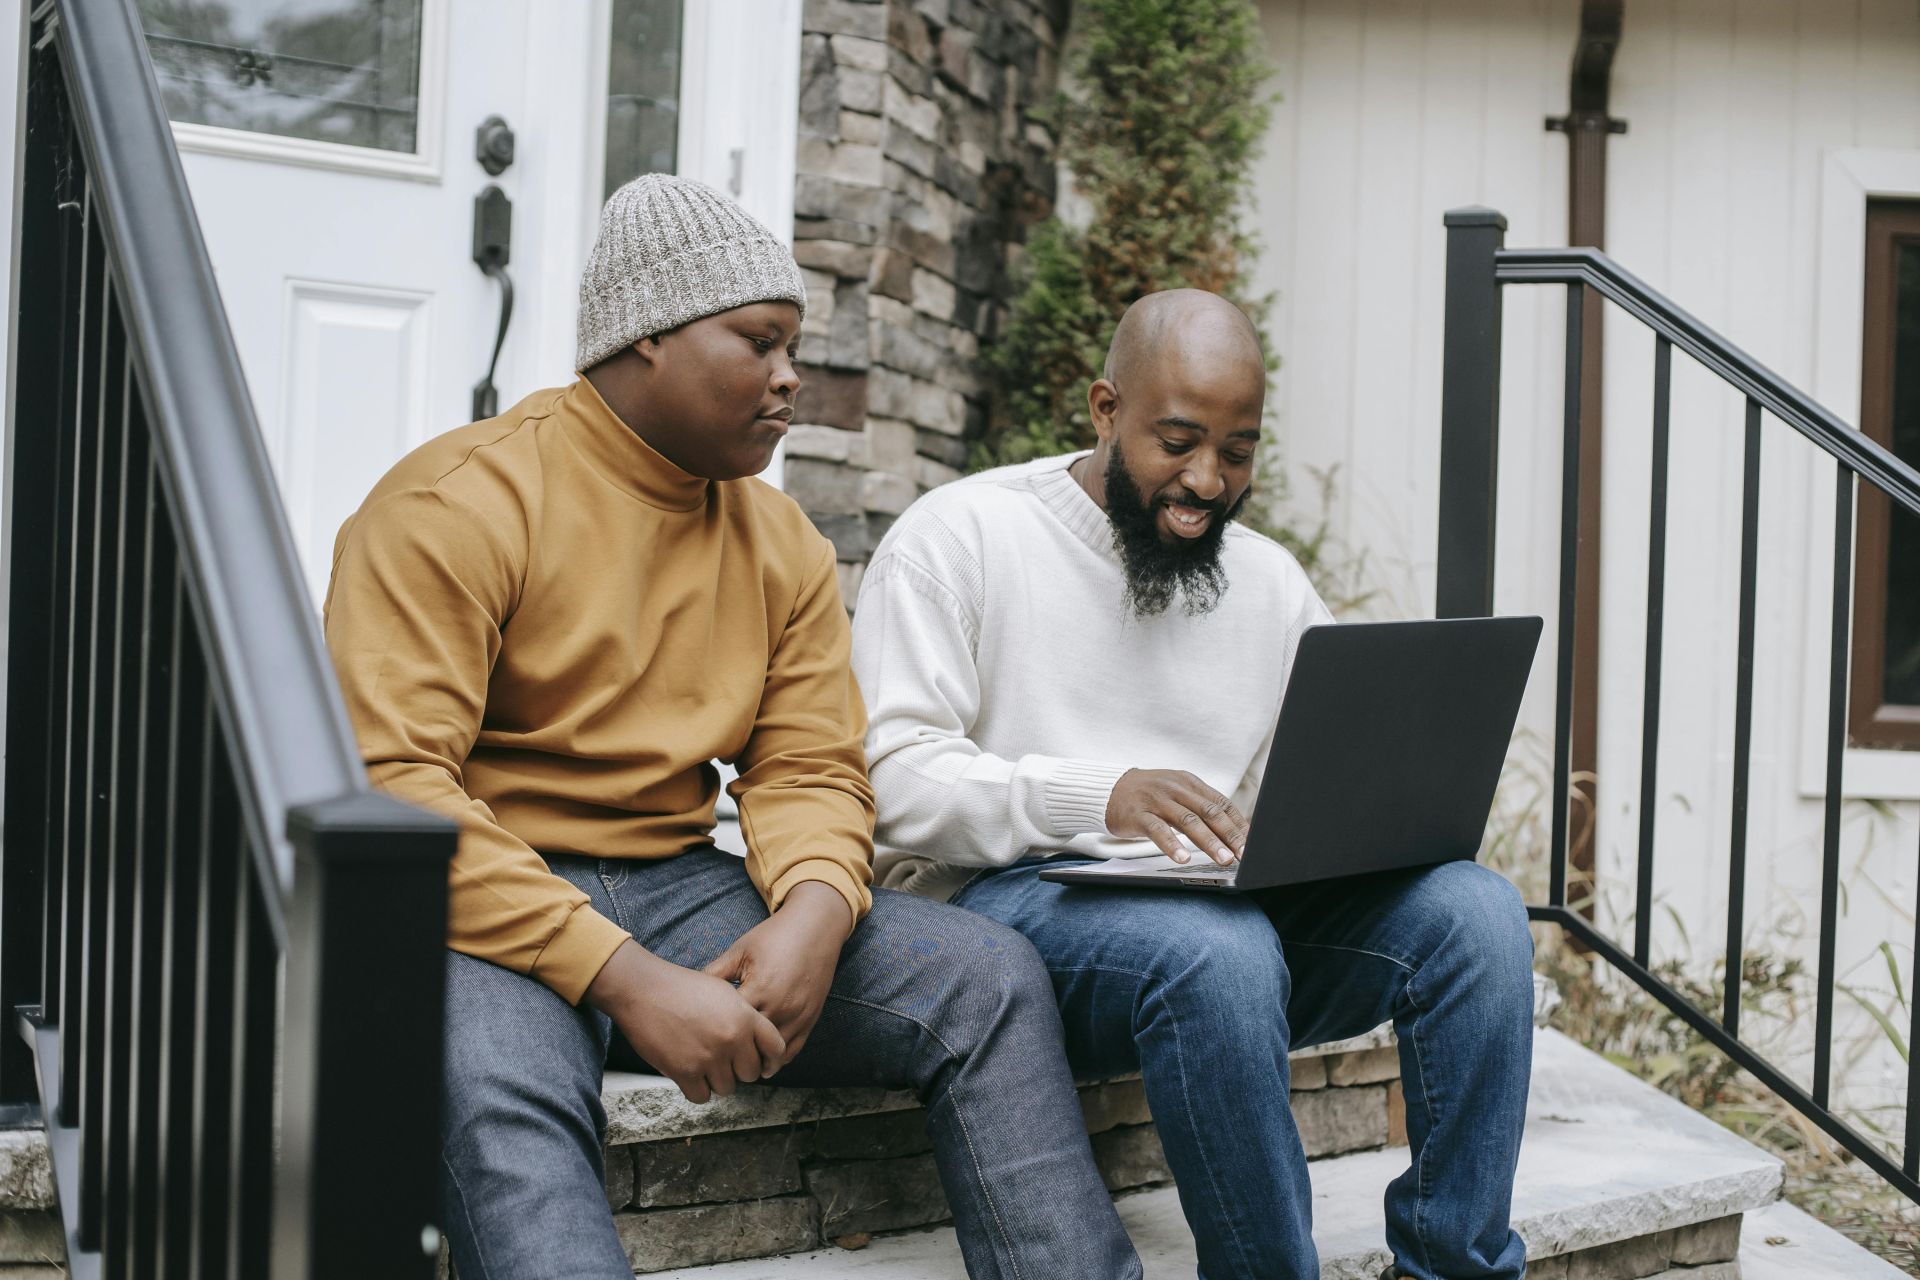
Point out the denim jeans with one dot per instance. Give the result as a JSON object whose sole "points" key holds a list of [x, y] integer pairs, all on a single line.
{"points": [[1205, 994], [926, 997]]}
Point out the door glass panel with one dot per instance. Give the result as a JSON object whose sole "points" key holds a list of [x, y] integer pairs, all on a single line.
{"points": [[1902, 685], [344, 71], [643, 90]]}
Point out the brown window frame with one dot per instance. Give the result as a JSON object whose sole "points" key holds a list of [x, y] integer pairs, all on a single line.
{"points": [[1872, 721]]}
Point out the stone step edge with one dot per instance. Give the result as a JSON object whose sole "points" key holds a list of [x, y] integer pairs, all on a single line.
{"points": [[1590, 1225], [1590, 1255], [1574, 1229], [26, 1170], [640, 1108], [645, 1108]]}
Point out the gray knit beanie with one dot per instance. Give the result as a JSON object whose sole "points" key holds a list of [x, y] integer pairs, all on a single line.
{"points": [[670, 251]]}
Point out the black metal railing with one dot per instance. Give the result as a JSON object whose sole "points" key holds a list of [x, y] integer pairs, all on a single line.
{"points": [[223, 953], [1478, 265]]}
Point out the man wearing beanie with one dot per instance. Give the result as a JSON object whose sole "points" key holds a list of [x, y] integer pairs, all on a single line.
{"points": [[549, 625]]}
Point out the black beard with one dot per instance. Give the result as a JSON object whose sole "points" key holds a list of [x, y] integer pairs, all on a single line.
{"points": [[1158, 570]]}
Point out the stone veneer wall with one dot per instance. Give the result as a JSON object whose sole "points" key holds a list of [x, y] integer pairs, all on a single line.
{"points": [[919, 168], [688, 1201]]}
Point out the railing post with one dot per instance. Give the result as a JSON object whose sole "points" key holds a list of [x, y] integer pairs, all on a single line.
{"points": [[358, 1180], [1469, 414], [30, 393]]}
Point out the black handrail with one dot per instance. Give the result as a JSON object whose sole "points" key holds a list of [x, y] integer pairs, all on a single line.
{"points": [[275, 687], [185, 814], [1478, 265], [1775, 394]]}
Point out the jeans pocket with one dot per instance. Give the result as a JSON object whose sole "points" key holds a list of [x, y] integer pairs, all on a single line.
{"points": [[613, 875]]}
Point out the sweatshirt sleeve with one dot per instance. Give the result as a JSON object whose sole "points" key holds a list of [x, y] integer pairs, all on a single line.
{"points": [[806, 808], [940, 795], [422, 585]]}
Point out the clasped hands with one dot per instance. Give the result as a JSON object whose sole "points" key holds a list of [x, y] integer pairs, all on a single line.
{"points": [[748, 1013], [744, 1016]]}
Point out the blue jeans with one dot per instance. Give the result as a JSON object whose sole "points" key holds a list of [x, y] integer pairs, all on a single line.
{"points": [[926, 997], [1205, 994]]}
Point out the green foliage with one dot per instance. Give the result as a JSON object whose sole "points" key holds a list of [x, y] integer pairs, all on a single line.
{"points": [[1160, 135]]}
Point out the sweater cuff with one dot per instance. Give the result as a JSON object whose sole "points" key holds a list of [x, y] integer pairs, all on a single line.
{"points": [[577, 951], [1076, 794], [828, 872]]}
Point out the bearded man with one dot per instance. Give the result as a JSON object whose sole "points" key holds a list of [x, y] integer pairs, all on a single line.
{"points": [[1083, 657]]}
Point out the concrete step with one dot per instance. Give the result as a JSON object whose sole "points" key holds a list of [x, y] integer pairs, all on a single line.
{"points": [[1781, 1242], [1607, 1160], [1777, 1242]]}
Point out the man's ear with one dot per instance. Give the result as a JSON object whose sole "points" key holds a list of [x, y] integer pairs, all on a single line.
{"points": [[1103, 400], [648, 349]]}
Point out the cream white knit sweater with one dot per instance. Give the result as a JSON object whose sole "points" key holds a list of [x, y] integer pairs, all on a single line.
{"points": [[1008, 687]]}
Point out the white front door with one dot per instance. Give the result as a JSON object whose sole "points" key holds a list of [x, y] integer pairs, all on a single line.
{"points": [[330, 146]]}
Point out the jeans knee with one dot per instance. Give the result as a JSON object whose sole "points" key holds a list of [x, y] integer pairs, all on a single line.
{"points": [[1488, 922], [1017, 968], [1230, 970], [997, 979]]}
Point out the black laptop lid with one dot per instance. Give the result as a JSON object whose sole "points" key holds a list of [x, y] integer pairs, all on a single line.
{"points": [[1390, 743]]}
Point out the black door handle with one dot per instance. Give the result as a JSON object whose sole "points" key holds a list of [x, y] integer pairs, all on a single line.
{"points": [[492, 250], [493, 146]]}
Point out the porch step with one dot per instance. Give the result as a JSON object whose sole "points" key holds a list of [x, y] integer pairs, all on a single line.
{"points": [[771, 1172], [1607, 1160], [1778, 1242], [1783, 1243]]}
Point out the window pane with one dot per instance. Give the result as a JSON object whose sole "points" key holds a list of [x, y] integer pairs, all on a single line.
{"points": [[1902, 685], [643, 90], [327, 70]]}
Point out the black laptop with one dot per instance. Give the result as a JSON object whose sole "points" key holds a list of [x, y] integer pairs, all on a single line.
{"points": [[1390, 743]]}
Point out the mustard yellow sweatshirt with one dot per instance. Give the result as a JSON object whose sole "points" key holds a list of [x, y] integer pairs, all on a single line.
{"points": [[548, 631]]}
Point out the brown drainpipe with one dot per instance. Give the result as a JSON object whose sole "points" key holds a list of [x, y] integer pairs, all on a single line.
{"points": [[1587, 126]]}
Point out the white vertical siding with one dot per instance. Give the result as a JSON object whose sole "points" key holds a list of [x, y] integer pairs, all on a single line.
{"points": [[1392, 112], [1389, 115]]}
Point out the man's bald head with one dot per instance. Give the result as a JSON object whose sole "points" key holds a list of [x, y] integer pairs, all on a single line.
{"points": [[1184, 327]]}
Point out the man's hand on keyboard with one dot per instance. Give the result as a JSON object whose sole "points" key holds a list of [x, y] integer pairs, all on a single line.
{"points": [[1165, 804]]}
